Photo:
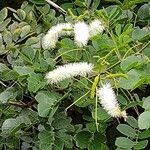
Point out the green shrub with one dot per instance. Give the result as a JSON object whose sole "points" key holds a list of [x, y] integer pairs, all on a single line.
{"points": [[67, 115]]}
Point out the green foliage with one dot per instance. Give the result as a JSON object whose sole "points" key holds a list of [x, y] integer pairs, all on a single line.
{"points": [[134, 137], [144, 119], [38, 115]]}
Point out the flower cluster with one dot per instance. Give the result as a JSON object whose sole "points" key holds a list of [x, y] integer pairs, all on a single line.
{"points": [[81, 31], [109, 101], [69, 71], [96, 27], [50, 39]]}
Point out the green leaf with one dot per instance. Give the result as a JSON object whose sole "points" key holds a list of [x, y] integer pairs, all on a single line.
{"points": [[64, 84], [80, 3], [131, 3], [7, 37], [21, 14], [146, 103], [25, 30], [98, 142], [8, 94], [122, 100], [45, 9], [4, 24], [35, 82], [65, 138], [23, 70], [2, 49], [101, 114], [126, 14], [118, 148], [1, 39], [95, 4], [91, 127], [132, 81], [68, 50], [146, 51], [126, 130], [38, 2], [123, 142], [9, 75], [118, 29], [28, 53], [10, 126], [141, 144], [88, 3], [143, 12], [144, 120], [82, 139], [32, 40], [58, 144], [131, 61], [46, 140], [140, 34], [16, 33], [144, 134], [132, 122], [46, 100], [113, 12], [67, 6], [61, 121], [3, 14], [3, 67]]}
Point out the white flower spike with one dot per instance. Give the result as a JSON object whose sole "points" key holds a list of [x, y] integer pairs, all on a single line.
{"points": [[109, 101], [96, 27], [68, 71], [50, 39], [81, 31]]}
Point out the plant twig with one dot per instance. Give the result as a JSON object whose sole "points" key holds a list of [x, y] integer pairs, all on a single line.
{"points": [[96, 120], [21, 104], [77, 100], [56, 6], [141, 50]]}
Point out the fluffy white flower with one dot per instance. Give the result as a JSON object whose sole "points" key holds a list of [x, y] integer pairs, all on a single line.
{"points": [[68, 71], [96, 27], [50, 39], [109, 101], [81, 31]]}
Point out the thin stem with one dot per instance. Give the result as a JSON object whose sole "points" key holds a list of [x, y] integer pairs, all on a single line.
{"points": [[143, 48], [130, 50], [114, 65], [96, 123], [106, 56], [77, 49], [116, 47], [82, 84], [21, 104], [77, 100], [116, 75]]}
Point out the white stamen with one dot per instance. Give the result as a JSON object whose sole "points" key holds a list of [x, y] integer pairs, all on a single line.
{"points": [[68, 71]]}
